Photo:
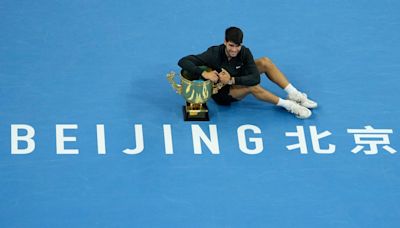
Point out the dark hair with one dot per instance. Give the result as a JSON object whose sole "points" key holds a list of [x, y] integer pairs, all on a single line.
{"points": [[234, 35]]}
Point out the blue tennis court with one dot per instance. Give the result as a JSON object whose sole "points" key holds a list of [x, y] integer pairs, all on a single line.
{"points": [[92, 133]]}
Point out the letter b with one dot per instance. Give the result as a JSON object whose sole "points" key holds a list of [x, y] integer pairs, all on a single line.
{"points": [[15, 138]]}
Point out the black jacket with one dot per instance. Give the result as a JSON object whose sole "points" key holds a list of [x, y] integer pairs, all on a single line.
{"points": [[242, 67]]}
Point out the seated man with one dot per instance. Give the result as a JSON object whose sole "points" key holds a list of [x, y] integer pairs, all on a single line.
{"points": [[235, 68]]}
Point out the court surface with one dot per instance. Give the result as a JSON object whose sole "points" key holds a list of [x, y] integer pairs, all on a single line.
{"points": [[72, 70]]}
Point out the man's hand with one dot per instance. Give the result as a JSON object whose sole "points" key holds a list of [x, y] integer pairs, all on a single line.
{"points": [[224, 76], [212, 75]]}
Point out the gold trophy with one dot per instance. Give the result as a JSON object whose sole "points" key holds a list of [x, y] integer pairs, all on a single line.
{"points": [[196, 93]]}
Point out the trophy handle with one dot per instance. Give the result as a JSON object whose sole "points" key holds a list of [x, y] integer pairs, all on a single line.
{"points": [[177, 87], [217, 87]]}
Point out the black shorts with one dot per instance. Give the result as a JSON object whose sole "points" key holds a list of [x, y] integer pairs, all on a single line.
{"points": [[223, 97]]}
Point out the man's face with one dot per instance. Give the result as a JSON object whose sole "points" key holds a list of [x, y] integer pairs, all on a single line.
{"points": [[232, 49]]}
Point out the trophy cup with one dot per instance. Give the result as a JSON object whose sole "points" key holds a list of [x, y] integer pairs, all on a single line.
{"points": [[196, 93]]}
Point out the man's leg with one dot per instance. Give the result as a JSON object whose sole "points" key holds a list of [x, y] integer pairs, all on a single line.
{"points": [[239, 92], [265, 65]]}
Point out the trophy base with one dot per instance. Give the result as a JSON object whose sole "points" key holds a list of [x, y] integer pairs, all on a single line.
{"points": [[198, 114]]}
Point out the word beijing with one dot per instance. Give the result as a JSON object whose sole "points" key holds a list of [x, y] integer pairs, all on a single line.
{"points": [[368, 140]]}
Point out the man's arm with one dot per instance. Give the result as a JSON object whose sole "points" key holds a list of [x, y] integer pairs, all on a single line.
{"points": [[251, 75], [191, 63]]}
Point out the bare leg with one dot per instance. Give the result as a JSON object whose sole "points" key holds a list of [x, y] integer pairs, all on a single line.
{"points": [[239, 92], [265, 65], [262, 94]]}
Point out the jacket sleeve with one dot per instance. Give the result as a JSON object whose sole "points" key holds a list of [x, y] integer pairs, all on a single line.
{"points": [[192, 63], [250, 75]]}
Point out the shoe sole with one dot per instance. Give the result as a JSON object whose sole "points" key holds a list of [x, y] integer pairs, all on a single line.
{"points": [[299, 117]]}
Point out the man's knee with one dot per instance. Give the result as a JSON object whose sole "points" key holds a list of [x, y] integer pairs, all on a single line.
{"points": [[255, 89], [266, 63], [239, 91]]}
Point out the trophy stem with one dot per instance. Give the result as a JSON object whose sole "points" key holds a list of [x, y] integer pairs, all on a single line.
{"points": [[193, 113]]}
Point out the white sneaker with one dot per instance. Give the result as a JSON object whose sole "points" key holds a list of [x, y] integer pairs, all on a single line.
{"points": [[300, 111], [301, 98]]}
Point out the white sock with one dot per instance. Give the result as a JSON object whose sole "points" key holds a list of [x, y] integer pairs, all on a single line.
{"points": [[290, 89], [284, 103]]}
